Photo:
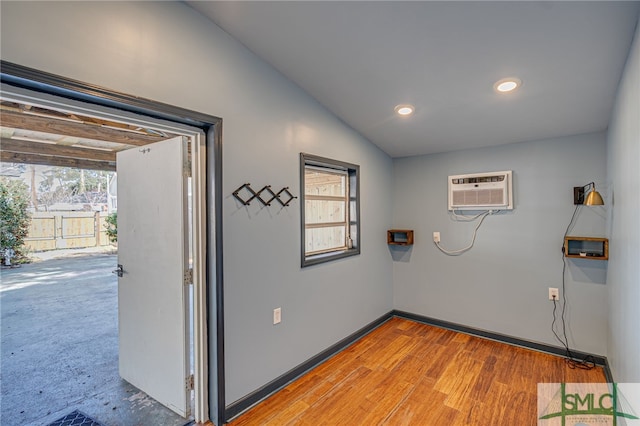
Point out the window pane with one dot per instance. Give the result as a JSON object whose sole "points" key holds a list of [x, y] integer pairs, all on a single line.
{"points": [[321, 239], [324, 211], [324, 184], [329, 209]]}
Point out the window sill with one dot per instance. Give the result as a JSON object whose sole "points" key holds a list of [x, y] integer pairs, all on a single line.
{"points": [[327, 257]]}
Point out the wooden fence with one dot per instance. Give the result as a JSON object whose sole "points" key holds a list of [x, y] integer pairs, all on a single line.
{"points": [[60, 230]]}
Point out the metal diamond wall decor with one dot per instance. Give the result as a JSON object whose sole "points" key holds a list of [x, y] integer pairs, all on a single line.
{"points": [[245, 194], [286, 192]]}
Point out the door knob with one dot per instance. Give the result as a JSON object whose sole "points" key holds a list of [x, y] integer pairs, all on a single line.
{"points": [[118, 271]]}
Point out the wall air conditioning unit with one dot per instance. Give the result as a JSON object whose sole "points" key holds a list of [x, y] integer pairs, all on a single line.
{"points": [[481, 191]]}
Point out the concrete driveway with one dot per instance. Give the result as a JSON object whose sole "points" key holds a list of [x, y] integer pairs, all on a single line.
{"points": [[59, 346]]}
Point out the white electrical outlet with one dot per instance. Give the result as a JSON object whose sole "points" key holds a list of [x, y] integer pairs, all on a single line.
{"points": [[554, 294], [436, 237], [277, 315]]}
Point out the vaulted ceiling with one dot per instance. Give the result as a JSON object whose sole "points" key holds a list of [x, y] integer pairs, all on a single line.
{"points": [[360, 59]]}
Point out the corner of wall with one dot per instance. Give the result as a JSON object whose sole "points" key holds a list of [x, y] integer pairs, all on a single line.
{"points": [[623, 157]]}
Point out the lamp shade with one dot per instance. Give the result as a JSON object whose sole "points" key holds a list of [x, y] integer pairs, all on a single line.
{"points": [[593, 198]]}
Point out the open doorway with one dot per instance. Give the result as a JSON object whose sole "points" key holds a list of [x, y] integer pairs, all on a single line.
{"points": [[89, 149]]}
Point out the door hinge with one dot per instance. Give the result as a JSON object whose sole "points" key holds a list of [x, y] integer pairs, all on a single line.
{"points": [[189, 382], [188, 276], [186, 170]]}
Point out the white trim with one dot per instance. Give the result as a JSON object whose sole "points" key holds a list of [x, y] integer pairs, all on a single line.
{"points": [[199, 217]]}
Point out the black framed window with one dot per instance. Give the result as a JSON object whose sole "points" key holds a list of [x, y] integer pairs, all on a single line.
{"points": [[330, 209]]}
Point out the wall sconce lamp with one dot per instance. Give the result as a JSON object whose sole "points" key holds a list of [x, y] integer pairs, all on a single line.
{"points": [[593, 198]]}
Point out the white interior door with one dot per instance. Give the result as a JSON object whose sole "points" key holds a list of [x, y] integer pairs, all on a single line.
{"points": [[153, 252]]}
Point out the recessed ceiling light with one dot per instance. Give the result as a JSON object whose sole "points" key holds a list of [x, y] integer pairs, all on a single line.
{"points": [[507, 85], [404, 109]]}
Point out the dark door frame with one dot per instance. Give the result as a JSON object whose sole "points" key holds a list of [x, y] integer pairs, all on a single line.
{"points": [[47, 83]]}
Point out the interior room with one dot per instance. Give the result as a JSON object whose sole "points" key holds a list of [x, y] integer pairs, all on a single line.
{"points": [[327, 79]]}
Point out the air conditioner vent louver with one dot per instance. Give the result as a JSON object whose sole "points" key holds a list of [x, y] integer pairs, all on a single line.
{"points": [[481, 191]]}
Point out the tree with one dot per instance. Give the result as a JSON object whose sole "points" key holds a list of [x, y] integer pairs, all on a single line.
{"points": [[34, 191], [14, 217], [69, 185], [112, 227]]}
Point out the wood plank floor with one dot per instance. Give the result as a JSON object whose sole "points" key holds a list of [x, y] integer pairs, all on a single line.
{"points": [[408, 373]]}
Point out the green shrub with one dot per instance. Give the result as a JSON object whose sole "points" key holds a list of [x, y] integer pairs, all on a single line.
{"points": [[14, 218], [112, 227]]}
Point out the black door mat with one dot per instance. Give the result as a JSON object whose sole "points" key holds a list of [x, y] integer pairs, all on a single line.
{"points": [[75, 418]]}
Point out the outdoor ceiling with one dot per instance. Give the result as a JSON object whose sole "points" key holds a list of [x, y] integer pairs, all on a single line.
{"points": [[360, 59], [36, 135]]}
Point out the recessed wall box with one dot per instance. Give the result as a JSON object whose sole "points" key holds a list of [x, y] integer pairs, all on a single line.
{"points": [[400, 237], [481, 191], [586, 248]]}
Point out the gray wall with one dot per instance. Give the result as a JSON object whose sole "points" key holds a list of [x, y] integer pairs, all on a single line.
{"points": [[501, 284], [169, 53], [623, 277]]}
